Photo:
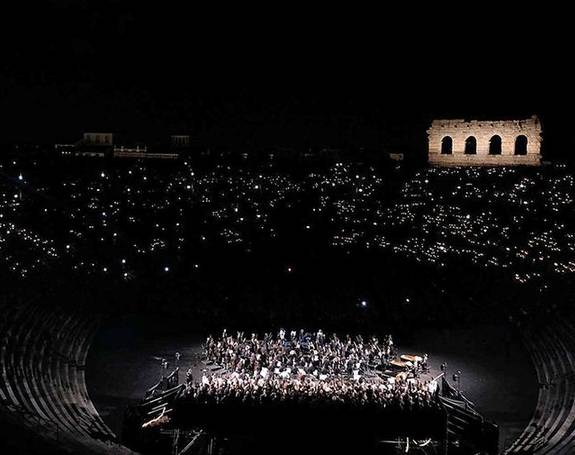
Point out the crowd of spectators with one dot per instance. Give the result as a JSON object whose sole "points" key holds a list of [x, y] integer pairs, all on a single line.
{"points": [[343, 245], [128, 220]]}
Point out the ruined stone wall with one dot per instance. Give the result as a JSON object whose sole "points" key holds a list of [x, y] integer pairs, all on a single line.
{"points": [[106, 139], [460, 130]]}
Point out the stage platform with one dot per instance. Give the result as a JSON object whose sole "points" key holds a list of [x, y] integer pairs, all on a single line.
{"points": [[125, 360]]}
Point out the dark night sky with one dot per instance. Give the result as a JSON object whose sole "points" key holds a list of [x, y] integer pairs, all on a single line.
{"points": [[151, 68]]}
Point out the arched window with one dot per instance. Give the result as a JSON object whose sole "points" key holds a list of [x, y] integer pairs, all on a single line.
{"points": [[521, 145], [470, 145], [495, 145], [446, 145]]}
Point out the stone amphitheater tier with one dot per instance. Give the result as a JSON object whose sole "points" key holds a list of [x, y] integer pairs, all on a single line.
{"points": [[552, 427], [42, 384]]}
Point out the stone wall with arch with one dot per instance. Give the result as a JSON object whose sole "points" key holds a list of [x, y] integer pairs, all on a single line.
{"points": [[460, 142]]}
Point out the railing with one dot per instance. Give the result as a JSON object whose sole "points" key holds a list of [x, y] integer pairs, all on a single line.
{"points": [[168, 382]]}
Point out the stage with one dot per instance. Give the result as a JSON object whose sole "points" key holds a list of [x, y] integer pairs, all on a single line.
{"points": [[496, 373]]}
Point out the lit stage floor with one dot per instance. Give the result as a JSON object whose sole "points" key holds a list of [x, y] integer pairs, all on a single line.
{"points": [[497, 374]]}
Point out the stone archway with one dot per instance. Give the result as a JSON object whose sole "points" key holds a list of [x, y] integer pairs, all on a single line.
{"points": [[447, 145], [470, 146], [495, 145], [521, 145]]}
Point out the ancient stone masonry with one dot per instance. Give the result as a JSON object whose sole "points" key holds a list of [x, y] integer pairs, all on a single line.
{"points": [[104, 139], [461, 142]]}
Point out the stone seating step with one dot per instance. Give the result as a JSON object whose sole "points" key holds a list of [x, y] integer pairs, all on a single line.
{"points": [[43, 352]]}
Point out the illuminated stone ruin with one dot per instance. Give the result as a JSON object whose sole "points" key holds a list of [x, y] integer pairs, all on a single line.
{"points": [[105, 139], [461, 142]]}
